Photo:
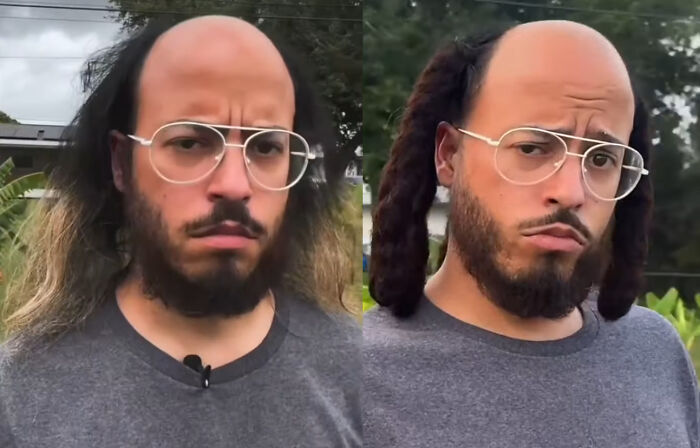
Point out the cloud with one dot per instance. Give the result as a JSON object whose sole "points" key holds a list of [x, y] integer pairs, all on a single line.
{"points": [[43, 83], [20, 21]]}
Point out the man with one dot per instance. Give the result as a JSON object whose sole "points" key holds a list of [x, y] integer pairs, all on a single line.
{"points": [[174, 294], [543, 145]]}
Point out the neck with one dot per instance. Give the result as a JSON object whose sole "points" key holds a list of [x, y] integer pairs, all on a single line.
{"points": [[217, 340], [456, 292]]}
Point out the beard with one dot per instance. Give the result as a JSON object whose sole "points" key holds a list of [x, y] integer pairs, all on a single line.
{"points": [[541, 290], [221, 291]]}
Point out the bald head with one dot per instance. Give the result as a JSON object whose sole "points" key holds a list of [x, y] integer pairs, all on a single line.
{"points": [[215, 35], [216, 69], [558, 51], [560, 75]]}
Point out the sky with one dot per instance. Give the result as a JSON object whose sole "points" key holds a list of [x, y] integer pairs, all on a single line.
{"points": [[41, 54]]}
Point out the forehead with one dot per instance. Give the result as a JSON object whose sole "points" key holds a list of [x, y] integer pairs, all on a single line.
{"points": [[550, 72], [211, 65]]}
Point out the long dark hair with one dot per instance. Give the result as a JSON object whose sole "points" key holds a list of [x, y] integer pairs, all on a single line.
{"points": [[76, 236], [445, 91]]}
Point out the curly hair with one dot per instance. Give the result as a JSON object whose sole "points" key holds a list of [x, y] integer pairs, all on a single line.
{"points": [[445, 91]]}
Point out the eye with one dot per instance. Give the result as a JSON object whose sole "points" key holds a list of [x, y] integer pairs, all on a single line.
{"points": [[602, 159], [266, 146], [185, 144], [531, 149]]}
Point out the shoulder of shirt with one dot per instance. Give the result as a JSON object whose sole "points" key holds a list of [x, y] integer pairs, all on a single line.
{"points": [[382, 331], [641, 321], [6, 436], [655, 337], [645, 331], [307, 319], [44, 359], [378, 317]]}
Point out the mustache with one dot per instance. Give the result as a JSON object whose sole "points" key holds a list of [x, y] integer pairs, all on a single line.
{"points": [[226, 210], [563, 216]]}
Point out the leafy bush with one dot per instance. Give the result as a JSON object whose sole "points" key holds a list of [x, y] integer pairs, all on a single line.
{"points": [[684, 319]]}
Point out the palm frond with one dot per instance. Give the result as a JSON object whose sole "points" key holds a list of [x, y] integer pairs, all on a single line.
{"points": [[18, 187], [5, 169]]}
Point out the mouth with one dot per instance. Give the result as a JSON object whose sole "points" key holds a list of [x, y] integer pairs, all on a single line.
{"points": [[556, 237], [224, 229]]}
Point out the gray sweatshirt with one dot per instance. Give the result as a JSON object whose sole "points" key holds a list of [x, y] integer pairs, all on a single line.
{"points": [[106, 386], [434, 381]]}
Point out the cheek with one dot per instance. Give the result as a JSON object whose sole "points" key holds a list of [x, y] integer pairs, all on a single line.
{"points": [[177, 203], [599, 216], [501, 200], [268, 207], [144, 176]]}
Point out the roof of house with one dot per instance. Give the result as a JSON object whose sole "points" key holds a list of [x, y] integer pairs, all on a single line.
{"points": [[31, 132]]}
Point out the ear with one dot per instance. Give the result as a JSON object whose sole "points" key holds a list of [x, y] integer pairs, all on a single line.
{"points": [[118, 146], [447, 144]]}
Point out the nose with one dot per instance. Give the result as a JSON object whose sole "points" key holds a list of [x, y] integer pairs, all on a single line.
{"points": [[230, 179], [565, 188]]}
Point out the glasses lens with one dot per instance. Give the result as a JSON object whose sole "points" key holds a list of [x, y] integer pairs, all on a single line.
{"points": [[612, 171], [527, 156], [185, 152], [276, 159]]}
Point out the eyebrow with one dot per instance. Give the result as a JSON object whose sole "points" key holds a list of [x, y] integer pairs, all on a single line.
{"points": [[597, 135]]}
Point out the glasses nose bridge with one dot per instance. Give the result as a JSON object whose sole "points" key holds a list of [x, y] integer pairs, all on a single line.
{"points": [[221, 159], [234, 145], [238, 143], [578, 161], [576, 150]]}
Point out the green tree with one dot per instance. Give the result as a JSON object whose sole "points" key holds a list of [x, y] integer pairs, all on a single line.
{"points": [[4, 118], [656, 38], [326, 34]]}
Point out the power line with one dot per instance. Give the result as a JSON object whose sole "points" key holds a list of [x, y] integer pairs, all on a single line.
{"points": [[340, 19], [44, 57], [648, 15], [153, 11], [60, 19], [224, 3]]}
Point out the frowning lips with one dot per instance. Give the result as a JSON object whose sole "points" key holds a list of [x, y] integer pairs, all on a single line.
{"points": [[231, 228], [558, 230]]}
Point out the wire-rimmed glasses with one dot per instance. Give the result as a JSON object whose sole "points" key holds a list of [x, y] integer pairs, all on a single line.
{"points": [[186, 152], [527, 156]]}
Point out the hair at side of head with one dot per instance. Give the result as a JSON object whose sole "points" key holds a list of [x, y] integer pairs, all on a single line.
{"points": [[444, 92], [75, 241], [624, 278]]}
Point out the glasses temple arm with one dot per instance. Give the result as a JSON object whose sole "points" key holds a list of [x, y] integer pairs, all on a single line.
{"points": [[310, 156], [142, 141], [634, 168], [479, 136]]}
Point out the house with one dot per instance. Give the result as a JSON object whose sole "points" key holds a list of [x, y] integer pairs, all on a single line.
{"points": [[32, 147], [437, 216]]}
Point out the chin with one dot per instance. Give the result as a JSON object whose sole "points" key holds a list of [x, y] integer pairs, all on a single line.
{"points": [[224, 263], [558, 263]]}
